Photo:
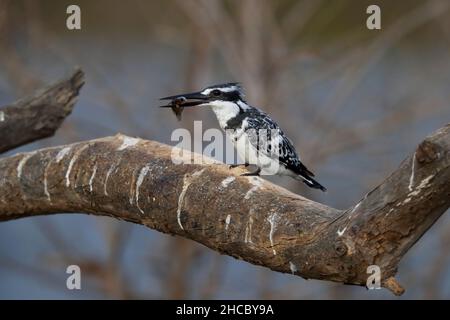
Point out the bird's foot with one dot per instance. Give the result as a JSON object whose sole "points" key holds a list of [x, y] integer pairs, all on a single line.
{"points": [[232, 166], [252, 173]]}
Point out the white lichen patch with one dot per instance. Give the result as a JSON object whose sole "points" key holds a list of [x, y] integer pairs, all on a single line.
{"points": [[128, 142], [58, 158], [390, 210], [273, 220], [180, 202], [411, 178], [62, 153], [46, 192], [246, 234], [187, 181], [293, 267], [356, 207], [132, 193], [91, 179], [198, 173], [142, 174], [227, 221], [341, 232], [423, 184], [248, 230], [225, 183], [256, 184], [22, 163], [108, 174], [72, 162]]}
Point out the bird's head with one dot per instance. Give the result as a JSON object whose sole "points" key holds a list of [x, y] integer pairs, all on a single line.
{"points": [[228, 92]]}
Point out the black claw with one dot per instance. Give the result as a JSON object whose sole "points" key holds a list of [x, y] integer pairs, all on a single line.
{"points": [[231, 166], [253, 173]]}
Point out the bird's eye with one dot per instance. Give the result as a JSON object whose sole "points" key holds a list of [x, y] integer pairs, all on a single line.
{"points": [[216, 93]]}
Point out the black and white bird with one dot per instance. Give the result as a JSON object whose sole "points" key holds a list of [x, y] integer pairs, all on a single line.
{"points": [[257, 138]]}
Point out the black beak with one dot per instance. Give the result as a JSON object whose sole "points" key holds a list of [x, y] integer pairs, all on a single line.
{"points": [[185, 100]]}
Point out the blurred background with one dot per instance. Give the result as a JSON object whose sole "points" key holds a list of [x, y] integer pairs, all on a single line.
{"points": [[355, 102]]}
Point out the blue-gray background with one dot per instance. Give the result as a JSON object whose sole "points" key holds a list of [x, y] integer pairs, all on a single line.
{"points": [[355, 102]]}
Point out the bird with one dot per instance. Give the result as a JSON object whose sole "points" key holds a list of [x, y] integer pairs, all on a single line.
{"points": [[257, 138]]}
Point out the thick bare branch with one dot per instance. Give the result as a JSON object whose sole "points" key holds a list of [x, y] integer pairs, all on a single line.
{"points": [[245, 217], [40, 115]]}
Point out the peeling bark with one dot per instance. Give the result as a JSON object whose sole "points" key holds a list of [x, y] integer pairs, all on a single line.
{"points": [[244, 217], [40, 115]]}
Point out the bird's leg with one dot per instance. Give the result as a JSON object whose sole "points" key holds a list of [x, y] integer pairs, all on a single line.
{"points": [[232, 166], [253, 173]]}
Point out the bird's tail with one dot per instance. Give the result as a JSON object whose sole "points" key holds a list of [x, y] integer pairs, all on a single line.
{"points": [[310, 182]]}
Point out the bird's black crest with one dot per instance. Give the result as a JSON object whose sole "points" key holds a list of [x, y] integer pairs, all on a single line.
{"points": [[238, 86], [224, 85]]}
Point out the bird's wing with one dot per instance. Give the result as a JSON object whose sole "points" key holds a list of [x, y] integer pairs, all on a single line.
{"points": [[270, 140]]}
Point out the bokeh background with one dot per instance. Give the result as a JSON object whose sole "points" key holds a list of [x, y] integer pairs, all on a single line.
{"points": [[354, 101]]}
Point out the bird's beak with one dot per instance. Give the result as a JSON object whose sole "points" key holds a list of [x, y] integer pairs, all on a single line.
{"points": [[185, 100]]}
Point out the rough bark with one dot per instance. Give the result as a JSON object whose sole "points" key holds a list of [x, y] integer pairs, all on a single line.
{"points": [[39, 115], [244, 217]]}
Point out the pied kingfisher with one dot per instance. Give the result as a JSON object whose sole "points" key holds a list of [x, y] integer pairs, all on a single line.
{"points": [[257, 138]]}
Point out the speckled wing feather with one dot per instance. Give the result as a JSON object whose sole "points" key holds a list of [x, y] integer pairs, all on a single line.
{"points": [[270, 140]]}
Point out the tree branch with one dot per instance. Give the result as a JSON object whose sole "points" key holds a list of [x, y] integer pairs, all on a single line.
{"points": [[40, 115], [244, 217]]}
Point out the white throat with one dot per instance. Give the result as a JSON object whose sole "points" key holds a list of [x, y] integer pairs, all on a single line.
{"points": [[224, 110]]}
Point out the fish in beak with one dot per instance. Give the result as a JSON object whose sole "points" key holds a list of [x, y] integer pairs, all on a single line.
{"points": [[179, 102]]}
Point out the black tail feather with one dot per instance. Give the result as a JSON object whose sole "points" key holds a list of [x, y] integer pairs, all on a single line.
{"points": [[310, 182]]}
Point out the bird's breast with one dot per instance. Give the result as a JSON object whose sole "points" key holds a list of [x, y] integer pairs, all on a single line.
{"points": [[224, 111]]}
